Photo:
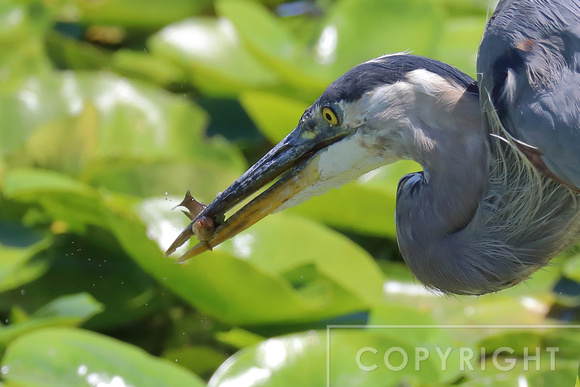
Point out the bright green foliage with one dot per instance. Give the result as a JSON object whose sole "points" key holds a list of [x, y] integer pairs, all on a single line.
{"points": [[68, 357], [111, 110]]}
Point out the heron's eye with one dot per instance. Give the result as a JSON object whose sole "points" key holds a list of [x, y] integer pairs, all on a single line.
{"points": [[329, 115]]}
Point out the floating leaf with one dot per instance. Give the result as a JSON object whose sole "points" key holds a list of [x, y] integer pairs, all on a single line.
{"points": [[22, 29], [66, 120], [355, 31], [255, 266], [273, 114], [65, 311], [17, 245], [304, 360], [128, 13], [563, 374], [62, 197], [268, 39], [572, 268], [71, 357], [460, 41], [208, 50]]}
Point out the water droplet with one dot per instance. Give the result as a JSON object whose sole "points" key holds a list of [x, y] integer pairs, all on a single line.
{"points": [[4, 370], [23, 292], [166, 193]]}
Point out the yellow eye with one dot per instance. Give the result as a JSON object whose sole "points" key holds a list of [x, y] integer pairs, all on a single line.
{"points": [[329, 115]]}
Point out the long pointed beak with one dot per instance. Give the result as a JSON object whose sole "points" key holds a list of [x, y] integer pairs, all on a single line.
{"points": [[294, 160]]}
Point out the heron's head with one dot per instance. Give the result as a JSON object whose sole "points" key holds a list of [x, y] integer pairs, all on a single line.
{"points": [[371, 116]]}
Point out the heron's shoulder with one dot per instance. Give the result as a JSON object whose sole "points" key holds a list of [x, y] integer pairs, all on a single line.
{"points": [[529, 66], [533, 16]]}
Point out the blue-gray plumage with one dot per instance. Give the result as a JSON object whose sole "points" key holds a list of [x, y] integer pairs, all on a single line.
{"points": [[498, 194], [529, 66]]}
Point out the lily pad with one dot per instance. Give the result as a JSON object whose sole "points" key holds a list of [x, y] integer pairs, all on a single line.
{"points": [[460, 42], [572, 268], [348, 357], [65, 311], [273, 114], [254, 266], [209, 52], [355, 31], [22, 29], [152, 14], [72, 357], [66, 120], [17, 245], [268, 39]]}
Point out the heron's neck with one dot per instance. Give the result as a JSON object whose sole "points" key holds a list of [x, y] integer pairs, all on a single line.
{"points": [[452, 150]]}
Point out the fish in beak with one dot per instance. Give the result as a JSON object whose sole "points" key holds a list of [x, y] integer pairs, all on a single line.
{"points": [[292, 165]]}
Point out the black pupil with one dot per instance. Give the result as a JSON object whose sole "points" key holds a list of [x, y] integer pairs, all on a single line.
{"points": [[328, 117]]}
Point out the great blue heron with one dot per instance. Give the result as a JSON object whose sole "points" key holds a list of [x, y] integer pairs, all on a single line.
{"points": [[498, 196]]}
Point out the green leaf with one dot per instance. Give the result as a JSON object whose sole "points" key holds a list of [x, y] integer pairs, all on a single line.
{"points": [[267, 38], [572, 268], [302, 360], [259, 27], [70, 119], [201, 360], [80, 305], [65, 311], [17, 245], [22, 29], [73, 54], [208, 51], [460, 42], [321, 276], [273, 114], [308, 245], [146, 67], [128, 13], [564, 374], [95, 265], [149, 179], [71, 357], [238, 338], [62, 197], [359, 30]]}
